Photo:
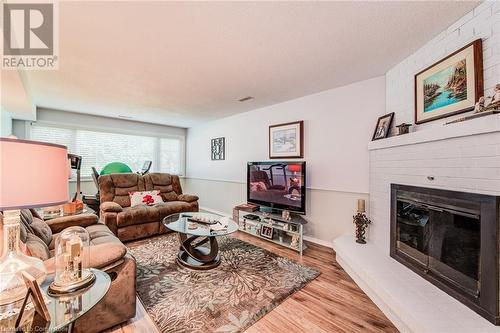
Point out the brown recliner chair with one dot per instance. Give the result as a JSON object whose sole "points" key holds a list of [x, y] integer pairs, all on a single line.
{"points": [[106, 253], [130, 223]]}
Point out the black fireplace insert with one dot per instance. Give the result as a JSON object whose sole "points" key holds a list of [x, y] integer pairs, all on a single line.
{"points": [[451, 239]]}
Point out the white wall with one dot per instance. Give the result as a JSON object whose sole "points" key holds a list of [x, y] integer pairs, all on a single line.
{"points": [[483, 22], [338, 125]]}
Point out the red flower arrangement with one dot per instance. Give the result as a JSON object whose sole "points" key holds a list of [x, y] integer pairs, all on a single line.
{"points": [[148, 199]]}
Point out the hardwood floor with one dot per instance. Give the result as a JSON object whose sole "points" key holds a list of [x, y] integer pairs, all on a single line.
{"points": [[330, 303]]}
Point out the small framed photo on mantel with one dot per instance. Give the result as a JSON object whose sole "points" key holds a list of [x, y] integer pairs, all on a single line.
{"points": [[383, 127], [286, 140]]}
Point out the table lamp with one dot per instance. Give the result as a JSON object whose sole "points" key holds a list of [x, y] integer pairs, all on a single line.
{"points": [[32, 174]]}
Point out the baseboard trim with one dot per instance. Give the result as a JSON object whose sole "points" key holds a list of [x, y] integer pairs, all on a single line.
{"points": [[307, 238], [318, 241]]}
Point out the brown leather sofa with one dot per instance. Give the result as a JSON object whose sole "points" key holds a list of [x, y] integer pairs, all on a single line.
{"points": [[130, 223], [106, 252]]}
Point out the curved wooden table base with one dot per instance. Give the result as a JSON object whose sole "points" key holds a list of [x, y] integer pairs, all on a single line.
{"points": [[192, 254]]}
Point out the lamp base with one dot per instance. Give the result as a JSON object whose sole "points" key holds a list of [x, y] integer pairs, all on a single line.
{"points": [[14, 262], [62, 290]]}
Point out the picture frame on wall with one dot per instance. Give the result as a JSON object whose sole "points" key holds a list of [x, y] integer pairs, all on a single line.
{"points": [[218, 149], [450, 86], [383, 127], [286, 140]]}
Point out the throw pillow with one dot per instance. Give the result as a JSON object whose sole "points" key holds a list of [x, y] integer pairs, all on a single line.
{"points": [[42, 230], [145, 198], [27, 219], [37, 248]]}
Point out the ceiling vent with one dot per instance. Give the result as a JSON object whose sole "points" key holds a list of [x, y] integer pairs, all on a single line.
{"points": [[244, 99], [125, 117]]}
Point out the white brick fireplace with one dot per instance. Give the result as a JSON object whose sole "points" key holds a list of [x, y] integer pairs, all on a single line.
{"points": [[462, 157]]}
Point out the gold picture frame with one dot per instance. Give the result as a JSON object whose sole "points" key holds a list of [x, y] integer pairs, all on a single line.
{"points": [[450, 86]]}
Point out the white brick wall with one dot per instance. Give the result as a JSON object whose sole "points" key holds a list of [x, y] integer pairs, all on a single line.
{"points": [[483, 22], [468, 164]]}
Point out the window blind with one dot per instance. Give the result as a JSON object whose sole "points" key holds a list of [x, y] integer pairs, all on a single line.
{"points": [[100, 148]]}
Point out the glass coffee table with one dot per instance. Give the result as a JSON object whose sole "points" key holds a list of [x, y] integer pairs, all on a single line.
{"points": [[196, 231]]}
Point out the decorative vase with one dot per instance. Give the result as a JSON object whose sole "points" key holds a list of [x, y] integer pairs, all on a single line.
{"points": [[13, 262]]}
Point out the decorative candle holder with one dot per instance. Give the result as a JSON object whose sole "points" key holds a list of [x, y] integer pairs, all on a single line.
{"points": [[361, 222], [403, 128], [72, 268]]}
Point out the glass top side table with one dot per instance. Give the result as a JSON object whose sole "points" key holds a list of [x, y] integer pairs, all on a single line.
{"points": [[64, 310]]}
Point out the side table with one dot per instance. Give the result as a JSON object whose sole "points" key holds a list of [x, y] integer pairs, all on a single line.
{"points": [[64, 310]]}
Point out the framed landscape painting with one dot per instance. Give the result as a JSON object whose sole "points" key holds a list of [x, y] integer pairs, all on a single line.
{"points": [[286, 140], [451, 86]]}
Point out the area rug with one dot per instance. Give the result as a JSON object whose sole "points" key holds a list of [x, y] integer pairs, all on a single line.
{"points": [[249, 283]]}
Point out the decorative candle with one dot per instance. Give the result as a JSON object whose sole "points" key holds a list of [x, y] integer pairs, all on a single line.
{"points": [[361, 205]]}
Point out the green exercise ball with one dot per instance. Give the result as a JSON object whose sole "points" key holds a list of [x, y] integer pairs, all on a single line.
{"points": [[115, 167]]}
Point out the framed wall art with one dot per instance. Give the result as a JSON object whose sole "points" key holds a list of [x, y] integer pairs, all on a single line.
{"points": [[383, 127], [451, 86], [218, 149], [286, 140]]}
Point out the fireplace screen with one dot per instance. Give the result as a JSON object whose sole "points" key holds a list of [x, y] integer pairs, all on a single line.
{"points": [[443, 240]]}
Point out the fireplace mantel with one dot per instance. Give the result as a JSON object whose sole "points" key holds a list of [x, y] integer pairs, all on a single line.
{"points": [[487, 124]]}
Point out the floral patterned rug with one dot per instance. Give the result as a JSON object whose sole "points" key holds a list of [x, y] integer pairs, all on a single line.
{"points": [[249, 283]]}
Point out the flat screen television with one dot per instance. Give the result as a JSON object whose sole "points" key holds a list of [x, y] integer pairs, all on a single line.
{"points": [[277, 185]]}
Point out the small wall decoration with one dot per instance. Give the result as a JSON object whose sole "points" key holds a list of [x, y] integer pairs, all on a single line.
{"points": [[451, 86], [383, 126], [266, 232], [286, 140], [218, 149]]}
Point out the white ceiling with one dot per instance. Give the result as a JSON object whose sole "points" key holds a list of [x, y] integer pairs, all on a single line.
{"points": [[182, 63]]}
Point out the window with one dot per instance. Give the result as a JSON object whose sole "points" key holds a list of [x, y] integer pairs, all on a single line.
{"points": [[100, 148]]}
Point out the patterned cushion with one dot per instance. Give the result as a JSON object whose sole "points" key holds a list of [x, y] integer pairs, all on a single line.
{"points": [[145, 198]]}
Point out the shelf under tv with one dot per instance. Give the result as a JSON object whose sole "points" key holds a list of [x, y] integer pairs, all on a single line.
{"points": [[283, 231]]}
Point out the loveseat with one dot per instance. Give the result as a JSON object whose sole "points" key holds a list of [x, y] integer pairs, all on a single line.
{"points": [[129, 223], [106, 253]]}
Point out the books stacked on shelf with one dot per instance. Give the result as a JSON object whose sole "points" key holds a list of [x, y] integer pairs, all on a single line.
{"points": [[247, 207]]}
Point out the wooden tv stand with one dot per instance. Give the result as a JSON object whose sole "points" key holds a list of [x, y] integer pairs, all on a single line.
{"points": [[289, 234]]}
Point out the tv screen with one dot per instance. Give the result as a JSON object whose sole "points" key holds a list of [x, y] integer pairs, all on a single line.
{"points": [[279, 185]]}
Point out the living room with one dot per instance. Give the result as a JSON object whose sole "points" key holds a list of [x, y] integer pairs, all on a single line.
{"points": [[250, 166]]}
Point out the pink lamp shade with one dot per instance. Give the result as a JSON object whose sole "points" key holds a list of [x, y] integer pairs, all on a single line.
{"points": [[32, 174]]}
